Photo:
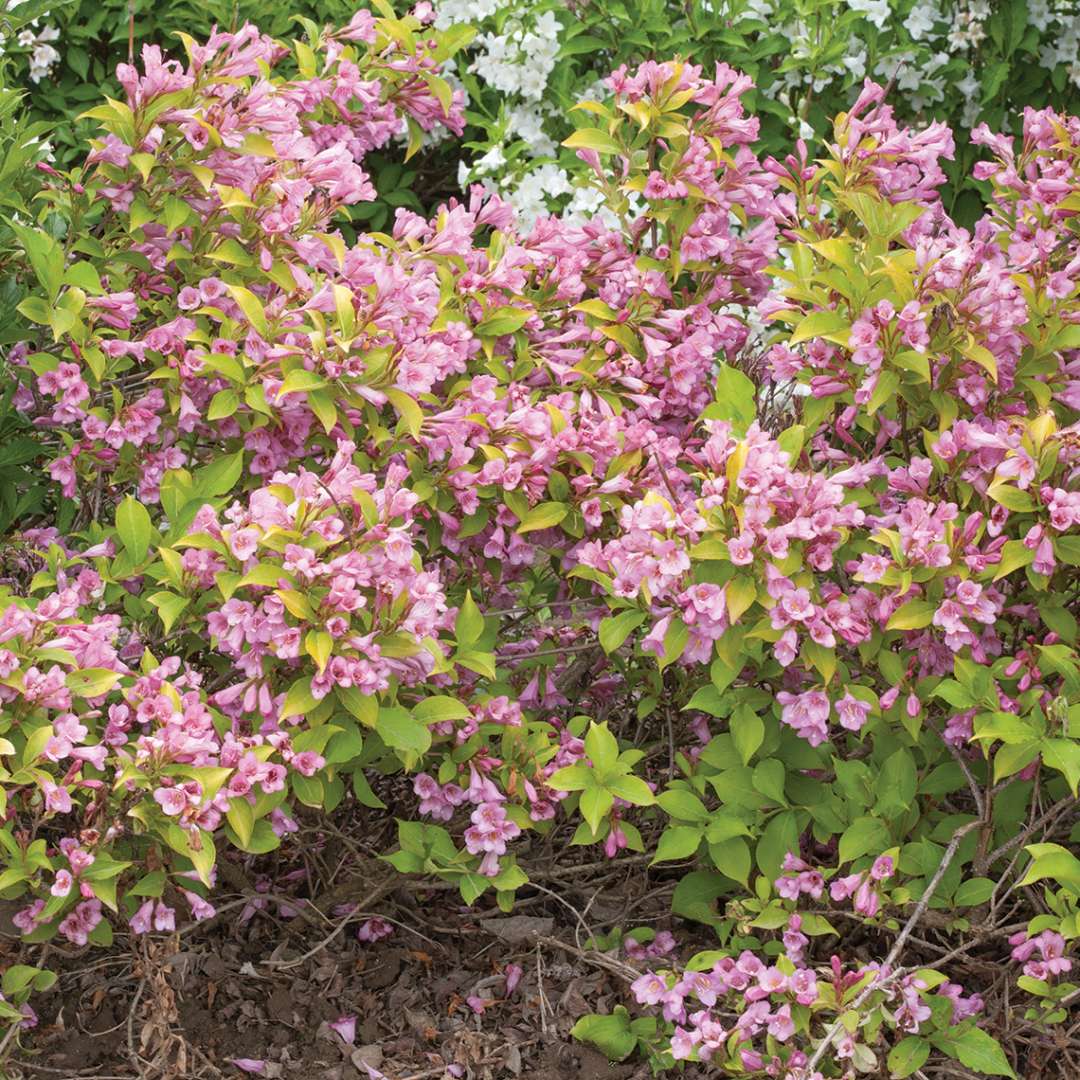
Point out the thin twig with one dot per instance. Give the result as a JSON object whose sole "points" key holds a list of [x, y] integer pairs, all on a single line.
{"points": [[597, 959]]}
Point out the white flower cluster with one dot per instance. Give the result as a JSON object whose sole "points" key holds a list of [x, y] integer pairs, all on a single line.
{"points": [[1059, 24], [967, 27], [520, 58], [471, 12], [514, 55], [42, 55]]}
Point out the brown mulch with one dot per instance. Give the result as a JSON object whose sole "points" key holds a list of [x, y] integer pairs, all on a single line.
{"points": [[266, 990]]}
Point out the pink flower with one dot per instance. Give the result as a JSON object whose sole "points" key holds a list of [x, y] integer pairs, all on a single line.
{"points": [[141, 921], [61, 885]]}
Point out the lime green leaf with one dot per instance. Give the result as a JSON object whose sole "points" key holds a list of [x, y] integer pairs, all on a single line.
{"points": [[91, 682], [134, 528], [470, 623], [615, 629], [399, 729], [611, 1035], [913, 615], [677, 842], [593, 139], [439, 709], [504, 320], [544, 516]]}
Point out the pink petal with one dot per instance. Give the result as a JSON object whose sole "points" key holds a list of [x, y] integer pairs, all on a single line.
{"points": [[345, 1026]]}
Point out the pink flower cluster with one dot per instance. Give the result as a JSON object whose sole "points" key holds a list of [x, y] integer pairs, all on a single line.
{"points": [[1050, 947]]}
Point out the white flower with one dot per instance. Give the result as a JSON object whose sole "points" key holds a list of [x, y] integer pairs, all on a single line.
{"points": [[757, 9], [41, 61], [492, 160], [920, 20], [449, 12], [1039, 14], [525, 122], [856, 63], [530, 197], [876, 11]]}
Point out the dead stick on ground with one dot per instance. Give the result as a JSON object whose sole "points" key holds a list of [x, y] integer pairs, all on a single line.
{"points": [[597, 959]]}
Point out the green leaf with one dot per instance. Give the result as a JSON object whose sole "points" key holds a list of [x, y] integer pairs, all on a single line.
{"points": [[439, 709], [483, 663], [399, 729], [631, 788], [308, 789], [732, 858], [677, 842], [46, 257], [864, 836], [300, 381], [253, 308], [470, 623], [736, 398], [747, 732], [1014, 555], [914, 615], [91, 682], [593, 139], [682, 804], [574, 777], [708, 699], [885, 390], [1053, 861], [220, 476], [242, 819], [977, 1050], [263, 838], [504, 320], [365, 707], [224, 404], [545, 516], [134, 528], [363, 791], [299, 700], [896, 783], [407, 409], [609, 1034], [1064, 755], [596, 803], [318, 644], [973, 892], [907, 1056], [20, 977], [695, 896], [602, 748], [1011, 498], [820, 324], [678, 634], [169, 607], [769, 780], [780, 836], [615, 629], [152, 884]]}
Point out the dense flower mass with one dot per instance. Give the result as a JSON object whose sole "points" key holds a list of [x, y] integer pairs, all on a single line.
{"points": [[736, 524]]}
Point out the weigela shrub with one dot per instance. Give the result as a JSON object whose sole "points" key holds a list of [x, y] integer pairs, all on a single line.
{"points": [[500, 508], [529, 61]]}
